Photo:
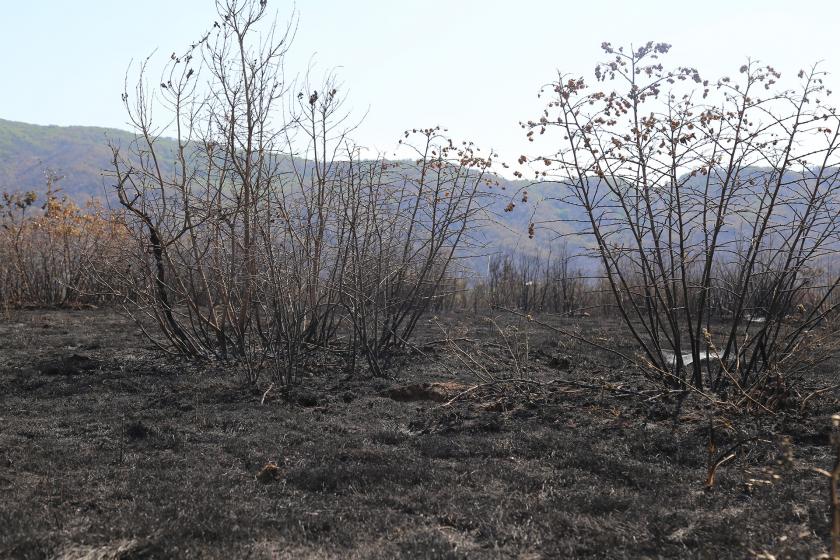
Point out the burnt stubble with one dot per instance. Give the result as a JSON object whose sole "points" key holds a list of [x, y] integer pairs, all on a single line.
{"points": [[109, 450]]}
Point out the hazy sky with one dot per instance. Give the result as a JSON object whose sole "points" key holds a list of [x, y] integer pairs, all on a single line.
{"points": [[472, 66]]}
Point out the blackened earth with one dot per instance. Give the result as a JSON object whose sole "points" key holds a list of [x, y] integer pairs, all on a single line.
{"points": [[109, 449]]}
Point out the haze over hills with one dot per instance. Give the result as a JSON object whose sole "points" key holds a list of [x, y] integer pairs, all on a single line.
{"points": [[82, 157]]}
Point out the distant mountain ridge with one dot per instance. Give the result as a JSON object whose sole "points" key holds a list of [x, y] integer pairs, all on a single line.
{"points": [[82, 157], [78, 153]]}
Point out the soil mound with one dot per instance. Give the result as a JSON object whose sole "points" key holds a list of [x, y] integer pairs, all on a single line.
{"points": [[75, 364], [437, 392]]}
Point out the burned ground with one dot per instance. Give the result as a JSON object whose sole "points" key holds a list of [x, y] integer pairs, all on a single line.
{"points": [[109, 450]]}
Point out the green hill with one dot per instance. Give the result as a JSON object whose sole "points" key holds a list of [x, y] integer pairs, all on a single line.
{"points": [[79, 153]]}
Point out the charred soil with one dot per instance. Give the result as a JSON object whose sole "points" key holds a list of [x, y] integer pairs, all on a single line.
{"points": [[110, 450]]}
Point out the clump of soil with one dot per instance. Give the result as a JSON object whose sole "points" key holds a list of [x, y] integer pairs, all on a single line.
{"points": [[74, 364], [269, 473], [436, 392], [307, 399], [136, 431]]}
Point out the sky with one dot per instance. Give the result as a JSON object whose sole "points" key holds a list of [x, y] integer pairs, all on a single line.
{"points": [[472, 66]]}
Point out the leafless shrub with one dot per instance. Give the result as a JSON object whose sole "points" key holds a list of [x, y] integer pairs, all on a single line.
{"points": [[270, 235], [196, 213], [404, 228], [698, 194]]}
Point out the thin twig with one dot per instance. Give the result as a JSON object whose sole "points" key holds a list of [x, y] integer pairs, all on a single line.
{"points": [[262, 400]]}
